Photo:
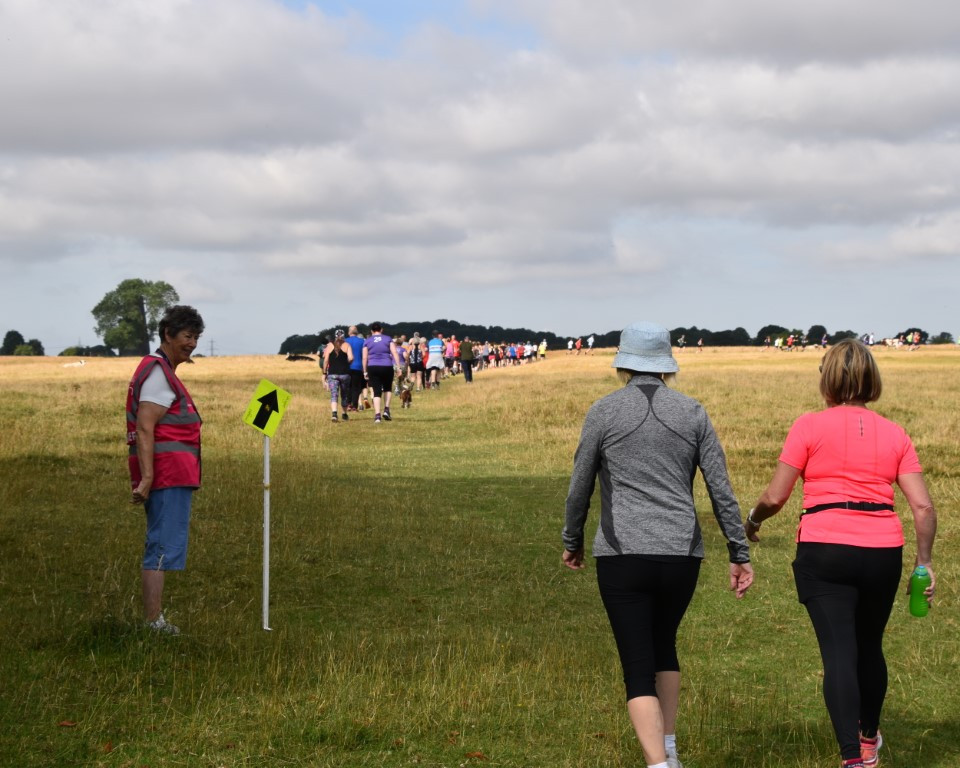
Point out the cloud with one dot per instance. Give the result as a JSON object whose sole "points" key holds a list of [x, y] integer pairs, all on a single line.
{"points": [[927, 241], [740, 29], [631, 141], [129, 75], [895, 100]]}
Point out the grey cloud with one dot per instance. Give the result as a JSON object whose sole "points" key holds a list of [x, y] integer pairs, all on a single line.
{"points": [[127, 76], [740, 29], [243, 128]]}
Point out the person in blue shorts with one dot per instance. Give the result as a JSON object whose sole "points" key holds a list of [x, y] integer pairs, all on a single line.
{"points": [[163, 435]]}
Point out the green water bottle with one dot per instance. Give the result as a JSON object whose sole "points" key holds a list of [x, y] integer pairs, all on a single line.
{"points": [[919, 581]]}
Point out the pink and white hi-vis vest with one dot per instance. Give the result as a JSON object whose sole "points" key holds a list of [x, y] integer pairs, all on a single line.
{"points": [[176, 450]]}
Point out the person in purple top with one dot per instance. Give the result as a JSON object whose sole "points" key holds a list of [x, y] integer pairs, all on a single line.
{"points": [[380, 359]]}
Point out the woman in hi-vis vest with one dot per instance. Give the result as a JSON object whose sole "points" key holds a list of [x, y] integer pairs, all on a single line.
{"points": [[163, 435]]}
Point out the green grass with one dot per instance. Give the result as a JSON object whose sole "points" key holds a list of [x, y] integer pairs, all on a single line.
{"points": [[421, 616]]}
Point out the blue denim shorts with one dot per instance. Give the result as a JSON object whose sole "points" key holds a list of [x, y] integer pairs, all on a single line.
{"points": [[168, 521]]}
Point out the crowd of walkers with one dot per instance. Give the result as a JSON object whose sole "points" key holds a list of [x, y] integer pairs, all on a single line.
{"points": [[800, 341], [362, 373]]}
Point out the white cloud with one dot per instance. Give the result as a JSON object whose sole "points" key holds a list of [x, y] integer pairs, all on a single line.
{"points": [[892, 100], [928, 241]]}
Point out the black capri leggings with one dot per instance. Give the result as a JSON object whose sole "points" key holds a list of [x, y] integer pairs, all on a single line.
{"points": [[849, 592], [645, 601]]}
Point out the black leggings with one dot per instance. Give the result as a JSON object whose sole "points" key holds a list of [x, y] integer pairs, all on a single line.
{"points": [[381, 378], [849, 592], [645, 601], [357, 383]]}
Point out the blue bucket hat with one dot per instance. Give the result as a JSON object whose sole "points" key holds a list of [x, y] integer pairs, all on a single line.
{"points": [[645, 347]]}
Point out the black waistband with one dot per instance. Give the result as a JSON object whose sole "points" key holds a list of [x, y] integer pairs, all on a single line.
{"points": [[860, 506]]}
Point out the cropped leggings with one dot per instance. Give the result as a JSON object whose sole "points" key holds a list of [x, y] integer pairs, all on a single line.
{"points": [[339, 385], [849, 592], [645, 601]]}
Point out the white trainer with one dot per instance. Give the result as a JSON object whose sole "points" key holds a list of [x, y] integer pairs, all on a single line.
{"points": [[163, 627]]}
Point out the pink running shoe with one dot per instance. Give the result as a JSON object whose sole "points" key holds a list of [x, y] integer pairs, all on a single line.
{"points": [[869, 749]]}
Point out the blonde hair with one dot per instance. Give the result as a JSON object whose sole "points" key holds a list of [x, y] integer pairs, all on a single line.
{"points": [[625, 374], [849, 373]]}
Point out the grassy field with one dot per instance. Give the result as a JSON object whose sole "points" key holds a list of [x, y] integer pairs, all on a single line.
{"points": [[420, 613]]}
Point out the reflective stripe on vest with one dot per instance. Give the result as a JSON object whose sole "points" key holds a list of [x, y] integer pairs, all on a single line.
{"points": [[169, 446]]}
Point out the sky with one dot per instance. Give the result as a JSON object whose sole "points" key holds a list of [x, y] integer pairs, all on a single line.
{"points": [[562, 165]]}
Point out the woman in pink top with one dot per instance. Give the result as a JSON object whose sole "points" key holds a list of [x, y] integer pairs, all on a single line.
{"points": [[850, 541]]}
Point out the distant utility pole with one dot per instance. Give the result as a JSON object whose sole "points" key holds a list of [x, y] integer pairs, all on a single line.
{"points": [[211, 347]]}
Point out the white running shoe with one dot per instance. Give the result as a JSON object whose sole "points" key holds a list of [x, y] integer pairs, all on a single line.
{"points": [[163, 627]]}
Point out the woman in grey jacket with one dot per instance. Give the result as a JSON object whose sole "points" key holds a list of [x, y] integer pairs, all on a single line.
{"points": [[645, 442]]}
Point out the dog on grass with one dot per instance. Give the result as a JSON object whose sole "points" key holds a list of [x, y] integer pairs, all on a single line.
{"points": [[406, 396]]}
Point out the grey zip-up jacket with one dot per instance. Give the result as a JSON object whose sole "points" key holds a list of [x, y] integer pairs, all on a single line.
{"points": [[645, 442]]}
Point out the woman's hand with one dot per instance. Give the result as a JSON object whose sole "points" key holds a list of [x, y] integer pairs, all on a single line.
{"points": [[933, 583], [741, 577], [573, 560], [141, 492]]}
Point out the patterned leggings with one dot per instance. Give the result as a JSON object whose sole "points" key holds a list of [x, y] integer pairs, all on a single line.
{"points": [[339, 383]]}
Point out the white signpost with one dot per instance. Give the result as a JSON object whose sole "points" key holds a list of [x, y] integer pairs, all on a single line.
{"points": [[264, 413]]}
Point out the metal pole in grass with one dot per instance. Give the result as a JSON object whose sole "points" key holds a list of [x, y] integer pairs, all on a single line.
{"points": [[264, 413], [266, 532]]}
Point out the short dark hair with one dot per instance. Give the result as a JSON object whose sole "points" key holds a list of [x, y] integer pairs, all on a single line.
{"points": [[376, 327], [177, 318]]}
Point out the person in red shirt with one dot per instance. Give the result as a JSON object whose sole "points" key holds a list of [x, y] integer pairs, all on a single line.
{"points": [[850, 541]]}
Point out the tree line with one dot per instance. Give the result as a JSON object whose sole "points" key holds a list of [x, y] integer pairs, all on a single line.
{"points": [[738, 337], [127, 318]]}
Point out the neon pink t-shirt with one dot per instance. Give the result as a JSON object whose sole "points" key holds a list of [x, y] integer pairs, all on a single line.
{"points": [[847, 453]]}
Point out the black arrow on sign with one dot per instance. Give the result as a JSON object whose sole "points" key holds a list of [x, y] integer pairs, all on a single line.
{"points": [[268, 404]]}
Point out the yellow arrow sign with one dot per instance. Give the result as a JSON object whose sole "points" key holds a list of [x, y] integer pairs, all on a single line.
{"points": [[266, 408]]}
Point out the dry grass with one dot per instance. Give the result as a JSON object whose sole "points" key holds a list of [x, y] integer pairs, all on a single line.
{"points": [[420, 613]]}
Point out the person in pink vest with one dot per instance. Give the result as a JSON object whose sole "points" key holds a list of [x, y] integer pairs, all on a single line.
{"points": [[163, 435]]}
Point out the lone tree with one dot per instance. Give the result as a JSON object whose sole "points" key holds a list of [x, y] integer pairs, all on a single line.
{"points": [[127, 316]]}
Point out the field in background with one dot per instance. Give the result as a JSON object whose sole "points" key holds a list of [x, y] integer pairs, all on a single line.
{"points": [[421, 616]]}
